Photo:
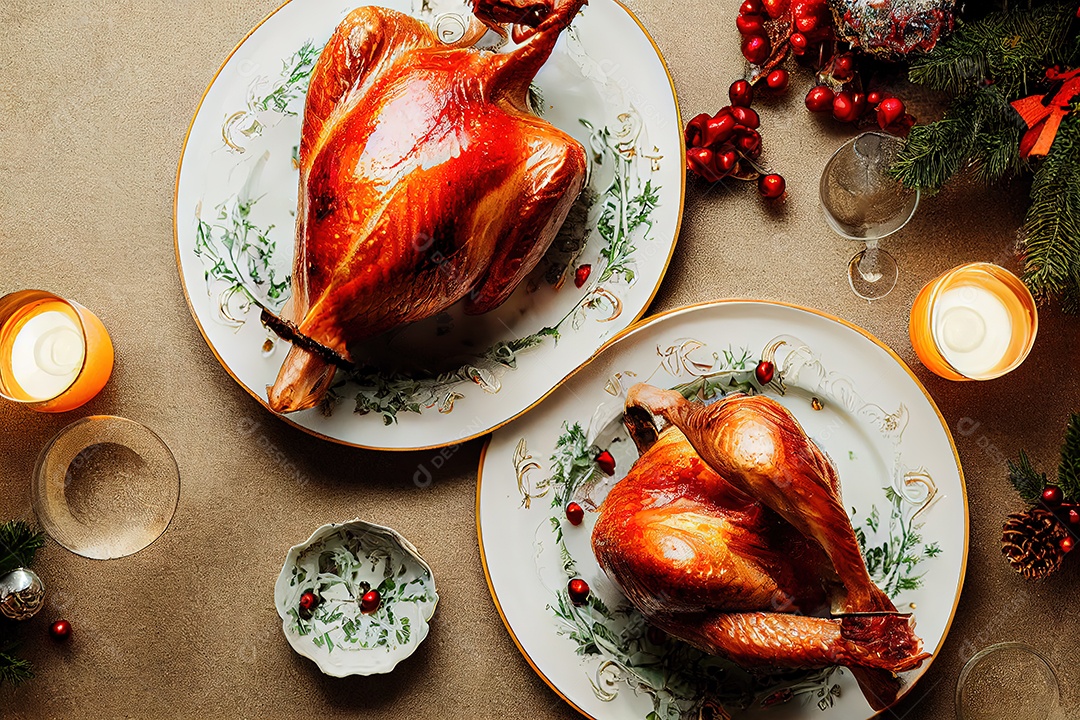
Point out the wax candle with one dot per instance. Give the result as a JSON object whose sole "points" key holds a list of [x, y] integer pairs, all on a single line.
{"points": [[47, 352], [975, 322], [54, 354]]}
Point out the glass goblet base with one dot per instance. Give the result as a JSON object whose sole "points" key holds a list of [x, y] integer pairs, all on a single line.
{"points": [[872, 273]]}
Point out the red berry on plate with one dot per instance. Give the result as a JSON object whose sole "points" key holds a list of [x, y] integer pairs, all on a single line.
{"points": [[60, 630], [606, 463], [1067, 544], [308, 601], [581, 275], [574, 513], [370, 602], [578, 590], [889, 111], [1052, 495], [765, 370], [819, 99], [741, 93], [771, 187], [755, 48], [777, 80], [746, 117]]}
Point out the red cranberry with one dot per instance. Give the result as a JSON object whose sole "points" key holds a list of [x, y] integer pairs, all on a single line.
{"points": [[741, 93], [578, 590], [819, 99], [755, 48]]}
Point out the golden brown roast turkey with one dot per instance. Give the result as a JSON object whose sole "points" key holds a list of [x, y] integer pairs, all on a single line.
{"points": [[729, 532], [424, 180]]}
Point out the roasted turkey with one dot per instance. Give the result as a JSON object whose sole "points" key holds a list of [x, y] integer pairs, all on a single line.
{"points": [[424, 180], [729, 533]]}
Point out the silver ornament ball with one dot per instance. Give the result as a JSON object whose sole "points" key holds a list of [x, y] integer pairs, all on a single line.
{"points": [[22, 594]]}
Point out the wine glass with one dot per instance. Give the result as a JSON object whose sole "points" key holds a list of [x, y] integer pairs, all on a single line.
{"points": [[862, 203]]}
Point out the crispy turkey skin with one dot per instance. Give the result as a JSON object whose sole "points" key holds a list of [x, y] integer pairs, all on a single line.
{"points": [[729, 532], [424, 180]]}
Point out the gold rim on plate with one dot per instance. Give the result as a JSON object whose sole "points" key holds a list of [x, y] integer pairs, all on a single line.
{"points": [[716, 303], [586, 361]]}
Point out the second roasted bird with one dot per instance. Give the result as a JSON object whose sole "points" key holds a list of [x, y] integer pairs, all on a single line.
{"points": [[729, 533]]}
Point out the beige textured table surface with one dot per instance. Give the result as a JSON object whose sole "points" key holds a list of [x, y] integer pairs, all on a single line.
{"points": [[95, 99]]}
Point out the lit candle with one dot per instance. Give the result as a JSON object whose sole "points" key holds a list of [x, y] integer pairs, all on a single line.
{"points": [[54, 355], [975, 322]]}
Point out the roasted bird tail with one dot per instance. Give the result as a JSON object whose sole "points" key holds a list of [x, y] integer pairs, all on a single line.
{"points": [[757, 639], [885, 640], [302, 382], [893, 634]]}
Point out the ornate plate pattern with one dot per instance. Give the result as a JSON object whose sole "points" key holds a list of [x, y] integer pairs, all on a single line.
{"points": [[235, 211], [901, 479]]}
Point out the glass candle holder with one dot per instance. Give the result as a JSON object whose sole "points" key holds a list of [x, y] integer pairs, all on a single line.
{"points": [[1007, 681], [105, 487], [974, 322], [55, 355]]}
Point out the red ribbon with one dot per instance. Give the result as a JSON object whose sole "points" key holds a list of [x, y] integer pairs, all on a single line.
{"points": [[1043, 113]]}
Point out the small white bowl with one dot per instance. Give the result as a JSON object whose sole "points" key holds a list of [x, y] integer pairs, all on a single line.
{"points": [[339, 563]]}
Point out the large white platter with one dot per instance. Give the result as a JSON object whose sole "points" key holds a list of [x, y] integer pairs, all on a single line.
{"points": [[901, 477], [449, 378]]}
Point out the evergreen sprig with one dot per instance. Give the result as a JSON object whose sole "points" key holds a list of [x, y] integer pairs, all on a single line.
{"points": [[979, 130], [1050, 238], [986, 65], [1006, 48], [19, 542], [1027, 481], [14, 670], [1069, 468]]}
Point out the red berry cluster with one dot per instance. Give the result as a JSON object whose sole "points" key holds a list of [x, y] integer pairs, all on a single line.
{"points": [[771, 28], [1067, 513], [806, 23], [727, 143], [853, 106]]}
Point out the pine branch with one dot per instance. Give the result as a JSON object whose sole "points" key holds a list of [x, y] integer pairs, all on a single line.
{"points": [[18, 544], [14, 670], [1069, 469], [1025, 479], [1007, 48], [1050, 238], [979, 130]]}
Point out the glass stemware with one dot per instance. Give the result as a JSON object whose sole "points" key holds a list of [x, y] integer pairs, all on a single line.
{"points": [[862, 203]]}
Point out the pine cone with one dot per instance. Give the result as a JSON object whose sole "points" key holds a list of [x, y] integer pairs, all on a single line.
{"points": [[1031, 542]]}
